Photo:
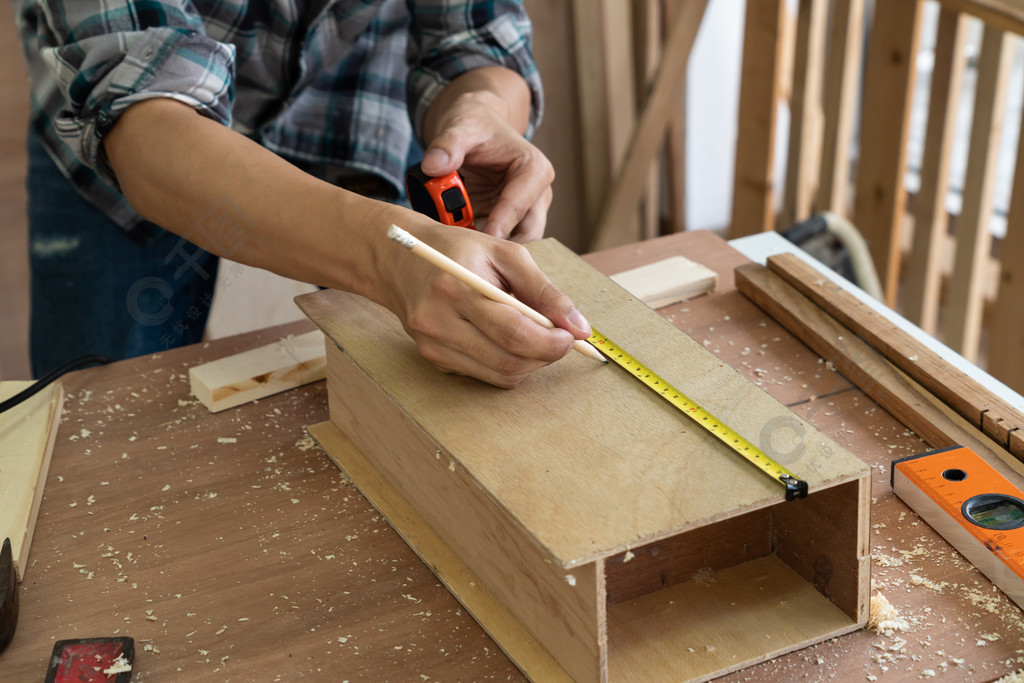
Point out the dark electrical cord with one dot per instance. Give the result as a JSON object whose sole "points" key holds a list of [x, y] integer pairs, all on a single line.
{"points": [[49, 377]]}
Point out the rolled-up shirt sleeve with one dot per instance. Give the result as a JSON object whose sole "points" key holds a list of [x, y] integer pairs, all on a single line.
{"points": [[448, 39], [100, 58]]}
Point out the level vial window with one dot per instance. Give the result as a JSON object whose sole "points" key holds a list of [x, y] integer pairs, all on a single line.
{"points": [[994, 511]]}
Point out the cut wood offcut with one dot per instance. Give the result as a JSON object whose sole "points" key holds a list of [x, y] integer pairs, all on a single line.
{"points": [[251, 375], [667, 281]]}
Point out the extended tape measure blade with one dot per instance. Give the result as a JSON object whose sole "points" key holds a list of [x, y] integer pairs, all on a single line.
{"points": [[795, 487]]}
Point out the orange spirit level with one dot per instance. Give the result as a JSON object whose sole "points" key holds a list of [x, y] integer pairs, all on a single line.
{"points": [[972, 506]]}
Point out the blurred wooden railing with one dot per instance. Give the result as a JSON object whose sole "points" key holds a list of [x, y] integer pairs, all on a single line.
{"points": [[937, 270], [846, 70]]}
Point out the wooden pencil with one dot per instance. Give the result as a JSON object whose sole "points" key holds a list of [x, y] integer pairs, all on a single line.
{"points": [[481, 285]]}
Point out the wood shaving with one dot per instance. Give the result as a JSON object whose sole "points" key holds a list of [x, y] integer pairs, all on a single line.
{"points": [[1015, 677], [883, 618], [118, 666]]}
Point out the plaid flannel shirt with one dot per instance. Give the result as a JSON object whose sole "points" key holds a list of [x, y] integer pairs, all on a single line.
{"points": [[324, 83]]}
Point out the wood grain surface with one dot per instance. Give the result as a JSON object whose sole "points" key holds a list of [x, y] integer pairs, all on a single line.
{"points": [[248, 585]]}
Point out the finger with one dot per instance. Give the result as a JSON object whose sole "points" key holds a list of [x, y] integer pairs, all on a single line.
{"points": [[526, 185], [462, 348], [447, 151], [530, 285], [517, 335], [532, 226]]}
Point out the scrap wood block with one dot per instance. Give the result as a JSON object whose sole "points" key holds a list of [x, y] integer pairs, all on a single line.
{"points": [[258, 373], [667, 281], [626, 541], [27, 434]]}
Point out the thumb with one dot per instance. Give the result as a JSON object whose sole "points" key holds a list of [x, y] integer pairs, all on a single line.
{"points": [[537, 291], [441, 159]]}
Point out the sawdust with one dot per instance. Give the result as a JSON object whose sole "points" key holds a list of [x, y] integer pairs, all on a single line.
{"points": [[885, 619]]}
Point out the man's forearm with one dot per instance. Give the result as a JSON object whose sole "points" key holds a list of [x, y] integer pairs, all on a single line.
{"points": [[225, 193]]}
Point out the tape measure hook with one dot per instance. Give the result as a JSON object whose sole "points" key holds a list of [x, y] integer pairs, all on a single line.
{"points": [[795, 488]]}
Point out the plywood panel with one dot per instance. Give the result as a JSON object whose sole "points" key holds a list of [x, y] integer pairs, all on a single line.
{"points": [[443, 561], [719, 622]]}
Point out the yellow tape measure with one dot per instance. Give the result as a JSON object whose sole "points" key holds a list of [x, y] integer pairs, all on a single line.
{"points": [[795, 488]]}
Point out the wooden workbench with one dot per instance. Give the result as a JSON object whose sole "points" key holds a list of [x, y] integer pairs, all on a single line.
{"points": [[231, 548]]}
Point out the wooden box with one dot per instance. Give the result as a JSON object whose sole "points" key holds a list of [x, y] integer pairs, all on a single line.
{"points": [[593, 530]]}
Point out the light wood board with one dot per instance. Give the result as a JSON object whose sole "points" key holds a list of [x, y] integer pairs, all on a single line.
{"points": [[667, 281], [27, 434], [258, 373]]}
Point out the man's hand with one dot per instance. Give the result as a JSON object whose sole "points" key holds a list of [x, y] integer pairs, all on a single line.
{"points": [[463, 332], [476, 127]]}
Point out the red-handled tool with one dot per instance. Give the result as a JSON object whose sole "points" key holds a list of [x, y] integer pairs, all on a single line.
{"points": [[443, 198]]}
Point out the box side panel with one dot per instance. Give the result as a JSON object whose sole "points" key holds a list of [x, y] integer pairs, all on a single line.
{"points": [[824, 538], [702, 629], [511, 635], [560, 607], [693, 554]]}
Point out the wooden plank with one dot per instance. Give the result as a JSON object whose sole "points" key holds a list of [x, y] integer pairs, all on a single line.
{"points": [[592, 88], [967, 397], [901, 396], [806, 115], [924, 263], [27, 435], [1006, 326], [620, 84], [961, 327], [258, 373], [647, 47], [667, 281], [506, 630], [885, 120], [754, 184], [621, 200], [842, 89], [674, 159]]}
